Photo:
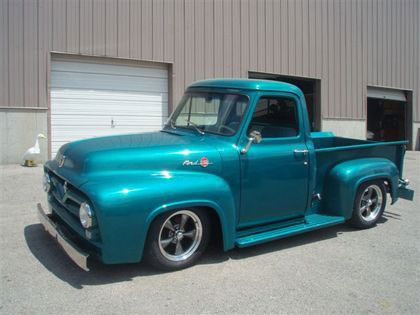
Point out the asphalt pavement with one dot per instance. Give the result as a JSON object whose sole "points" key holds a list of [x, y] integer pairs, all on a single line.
{"points": [[335, 270]]}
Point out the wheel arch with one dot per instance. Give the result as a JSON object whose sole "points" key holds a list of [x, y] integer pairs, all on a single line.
{"points": [[217, 215], [345, 178]]}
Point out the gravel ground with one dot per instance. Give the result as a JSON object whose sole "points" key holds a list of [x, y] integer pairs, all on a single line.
{"points": [[335, 270]]}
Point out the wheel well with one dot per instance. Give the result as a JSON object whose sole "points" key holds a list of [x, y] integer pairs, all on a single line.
{"points": [[216, 227]]}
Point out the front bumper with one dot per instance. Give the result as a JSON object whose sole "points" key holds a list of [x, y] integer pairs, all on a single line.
{"points": [[79, 257]]}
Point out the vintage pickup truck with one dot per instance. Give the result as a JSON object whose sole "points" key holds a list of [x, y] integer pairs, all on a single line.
{"points": [[236, 160]]}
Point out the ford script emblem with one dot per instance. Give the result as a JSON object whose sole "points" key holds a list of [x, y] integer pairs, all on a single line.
{"points": [[61, 161], [203, 162]]}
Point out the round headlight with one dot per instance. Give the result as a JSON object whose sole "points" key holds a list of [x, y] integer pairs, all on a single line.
{"points": [[46, 182], [85, 215]]}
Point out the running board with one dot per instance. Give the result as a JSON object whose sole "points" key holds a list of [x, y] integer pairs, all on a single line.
{"points": [[312, 222]]}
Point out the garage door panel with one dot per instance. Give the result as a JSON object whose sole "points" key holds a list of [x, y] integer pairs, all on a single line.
{"points": [[78, 94], [66, 66], [98, 99], [105, 120], [70, 107], [90, 81]]}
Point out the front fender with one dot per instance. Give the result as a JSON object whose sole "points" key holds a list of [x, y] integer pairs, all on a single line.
{"points": [[126, 204], [343, 179]]}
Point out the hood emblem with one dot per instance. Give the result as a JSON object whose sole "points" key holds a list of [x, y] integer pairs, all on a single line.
{"points": [[203, 162], [61, 161]]}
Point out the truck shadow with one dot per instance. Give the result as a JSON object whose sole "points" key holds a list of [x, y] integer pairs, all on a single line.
{"points": [[50, 255]]}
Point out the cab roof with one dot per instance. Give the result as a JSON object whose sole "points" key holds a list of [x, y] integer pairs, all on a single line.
{"points": [[248, 84]]}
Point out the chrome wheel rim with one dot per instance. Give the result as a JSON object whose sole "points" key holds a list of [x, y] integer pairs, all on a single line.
{"points": [[180, 235], [371, 203]]}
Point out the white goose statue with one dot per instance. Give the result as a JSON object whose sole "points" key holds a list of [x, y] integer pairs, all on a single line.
{"points": [[30, 156]]}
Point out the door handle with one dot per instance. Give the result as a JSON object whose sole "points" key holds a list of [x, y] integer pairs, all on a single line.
{"points": [[304, 152]]}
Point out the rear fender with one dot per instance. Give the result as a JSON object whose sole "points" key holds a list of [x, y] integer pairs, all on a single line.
{"points": [[343, 179]]}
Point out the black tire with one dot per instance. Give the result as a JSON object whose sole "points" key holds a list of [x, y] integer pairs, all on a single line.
{"points": [[365, 212], [155, 252]]}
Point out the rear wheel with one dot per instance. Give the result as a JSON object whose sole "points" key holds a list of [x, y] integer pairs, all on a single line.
{"points": [[178, 239], [369, 204]]}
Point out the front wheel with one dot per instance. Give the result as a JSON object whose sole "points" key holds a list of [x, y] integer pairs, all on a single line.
{"points": [[177, 240], [369, 204]]}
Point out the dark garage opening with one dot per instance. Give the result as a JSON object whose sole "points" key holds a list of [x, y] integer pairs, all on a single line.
{"points": [[311, 89], [387, 115], [386, 120]]}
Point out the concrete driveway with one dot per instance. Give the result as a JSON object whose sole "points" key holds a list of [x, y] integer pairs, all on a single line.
{"points": [[336, 270]]}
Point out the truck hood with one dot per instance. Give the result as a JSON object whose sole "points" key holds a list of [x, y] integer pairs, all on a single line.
{"points": [[154, 152]]}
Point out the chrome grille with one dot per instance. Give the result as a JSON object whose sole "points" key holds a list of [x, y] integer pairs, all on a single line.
{"points": [[67, 195]]}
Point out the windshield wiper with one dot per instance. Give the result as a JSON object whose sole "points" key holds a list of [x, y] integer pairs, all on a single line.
{"points": [[195, 126]]}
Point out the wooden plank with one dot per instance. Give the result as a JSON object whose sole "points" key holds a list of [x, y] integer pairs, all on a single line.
{"points": [[30, 53], [16, 48], [59, 25], [111, 24], [86, 33], [209, 39], [199, 39], [123, 29], [146, 30], [236, 39], [168, 31], [98, 28], [158, 35], [227, 38], [72, 26], [4, 54]]}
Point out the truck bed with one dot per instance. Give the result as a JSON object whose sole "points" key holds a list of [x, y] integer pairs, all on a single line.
{"points": [[331, 150]]}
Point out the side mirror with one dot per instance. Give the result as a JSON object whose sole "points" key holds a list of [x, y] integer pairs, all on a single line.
{"points": [[254, 137]]}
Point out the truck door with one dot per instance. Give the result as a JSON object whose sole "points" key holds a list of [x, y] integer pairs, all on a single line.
{"points": [[274, 172]]}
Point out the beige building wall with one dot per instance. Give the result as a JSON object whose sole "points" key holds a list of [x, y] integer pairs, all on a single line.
{"points": [[348, 45]]}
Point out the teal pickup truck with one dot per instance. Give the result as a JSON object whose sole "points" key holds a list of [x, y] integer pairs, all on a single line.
{"points": [[236, 161]]}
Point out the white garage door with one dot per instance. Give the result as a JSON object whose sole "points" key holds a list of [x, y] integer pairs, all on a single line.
{"points": [[92, 98]]}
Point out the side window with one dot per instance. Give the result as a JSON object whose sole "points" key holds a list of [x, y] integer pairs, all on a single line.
{"points": [[275, 117]]}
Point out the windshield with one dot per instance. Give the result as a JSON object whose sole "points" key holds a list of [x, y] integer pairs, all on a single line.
{"points": [[210, 112]]}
